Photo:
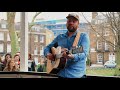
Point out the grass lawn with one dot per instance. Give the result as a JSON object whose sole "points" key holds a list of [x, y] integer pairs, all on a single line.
{"points": [[100, 71]]}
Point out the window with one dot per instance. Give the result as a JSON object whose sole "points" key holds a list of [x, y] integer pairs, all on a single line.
{"points": [[106, 46], [41, 50], [100, 58], [111, 56], [41, 39], [8, 37], [35, 51], [100, 21], [36, 38], [3, 25], [99, 45], [1, 48], [37, 29], [41, 47], [107, 32], [8, 48], [1, 36]]}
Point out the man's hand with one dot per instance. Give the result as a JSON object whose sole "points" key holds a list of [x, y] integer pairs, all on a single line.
{"points": [[68, 56], [50, 56]]}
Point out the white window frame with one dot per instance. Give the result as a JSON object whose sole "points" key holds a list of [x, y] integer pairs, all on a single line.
{"points": [[8, 48], [111, 56], [2, 36], [36, 38], [8, 37], [41, 50], [106, 46], [36, 51], [98, 45], [107, 32], [41, 39], [3, 26], [100, 59], [1, 47]]}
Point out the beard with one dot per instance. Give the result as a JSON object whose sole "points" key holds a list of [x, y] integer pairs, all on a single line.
{"points": [[71, 29]]}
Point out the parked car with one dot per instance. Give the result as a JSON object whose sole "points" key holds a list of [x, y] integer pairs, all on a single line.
{"points": [[110, 64]]}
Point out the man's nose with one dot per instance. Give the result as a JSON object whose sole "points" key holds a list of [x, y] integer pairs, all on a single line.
{"points": [[71, 22]]}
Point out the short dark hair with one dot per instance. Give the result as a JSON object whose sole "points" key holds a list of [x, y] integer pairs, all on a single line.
{"points": [[8, 54], [17, 55]]}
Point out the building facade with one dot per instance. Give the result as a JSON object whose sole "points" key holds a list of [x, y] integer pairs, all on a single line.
{"points": [[59, 26], [100, 36], [38, 38]]}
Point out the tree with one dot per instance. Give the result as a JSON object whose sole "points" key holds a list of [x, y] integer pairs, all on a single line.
{"points": [[30, 26], [114, 22], [111, 21], [13, 35], [32, 22]]}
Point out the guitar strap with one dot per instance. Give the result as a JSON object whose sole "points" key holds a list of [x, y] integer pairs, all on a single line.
{"points": [[76, 39]]}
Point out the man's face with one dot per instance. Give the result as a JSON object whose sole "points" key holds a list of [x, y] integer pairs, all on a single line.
{"points": [[72, 24]]}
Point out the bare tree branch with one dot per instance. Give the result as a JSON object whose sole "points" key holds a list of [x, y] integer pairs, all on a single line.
{"points": [[96, 31], [32, 22]]}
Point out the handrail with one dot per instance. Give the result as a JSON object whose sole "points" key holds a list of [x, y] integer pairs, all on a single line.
{"points": [[28, 73]]}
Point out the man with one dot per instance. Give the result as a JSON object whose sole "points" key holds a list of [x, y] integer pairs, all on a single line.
{"points": [[76, 63]]}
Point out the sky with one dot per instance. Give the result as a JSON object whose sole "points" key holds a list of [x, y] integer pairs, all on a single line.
{"points": [[48, 16]]}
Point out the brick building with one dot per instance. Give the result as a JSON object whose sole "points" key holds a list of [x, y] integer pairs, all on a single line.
{"points": [[38, 38], [100, 50]]}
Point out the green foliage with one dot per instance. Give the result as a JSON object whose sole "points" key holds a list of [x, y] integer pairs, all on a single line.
{"points": [[88, 62], [14, 44], [12, 33], [101, 71]]}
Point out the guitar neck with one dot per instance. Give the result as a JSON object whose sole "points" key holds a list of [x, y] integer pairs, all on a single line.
{"points": [[58, 52], [75, 50]]}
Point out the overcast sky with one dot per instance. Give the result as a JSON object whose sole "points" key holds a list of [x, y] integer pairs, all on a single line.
{"points": [[48, 16]]}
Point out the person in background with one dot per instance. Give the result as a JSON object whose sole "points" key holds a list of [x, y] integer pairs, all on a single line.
{"points": [[11, 66], [31, 63], [8, 56], [1, 64], [41, 66], [17, 59]]}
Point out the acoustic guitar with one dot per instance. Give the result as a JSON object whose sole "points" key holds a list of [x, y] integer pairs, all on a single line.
{"points": [[59, 62]]}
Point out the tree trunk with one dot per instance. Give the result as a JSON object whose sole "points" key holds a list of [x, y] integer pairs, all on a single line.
{"points": [[12, 33]]}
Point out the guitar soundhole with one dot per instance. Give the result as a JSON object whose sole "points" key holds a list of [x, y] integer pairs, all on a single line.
{"points": [[62, 62]]}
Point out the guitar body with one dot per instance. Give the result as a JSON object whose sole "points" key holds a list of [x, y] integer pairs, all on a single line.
{"points": [[56, 65], [59, 62]]}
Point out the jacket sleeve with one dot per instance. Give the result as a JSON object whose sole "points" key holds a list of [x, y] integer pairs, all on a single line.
{"points": [[47, 49], [86, 45]]}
